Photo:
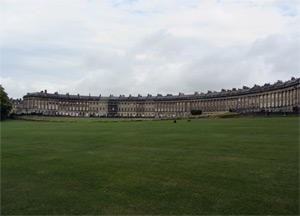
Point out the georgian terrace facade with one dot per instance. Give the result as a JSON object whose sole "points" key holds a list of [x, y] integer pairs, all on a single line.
{"points": [[280, 96]]}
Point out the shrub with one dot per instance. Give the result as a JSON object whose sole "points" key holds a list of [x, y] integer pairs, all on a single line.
{"points": [[12, 115], [196, 112]]}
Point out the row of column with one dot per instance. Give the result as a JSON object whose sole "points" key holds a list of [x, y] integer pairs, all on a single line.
{"points": [[276, 99]]}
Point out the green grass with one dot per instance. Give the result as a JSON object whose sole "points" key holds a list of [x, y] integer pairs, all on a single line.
{"points": [[246, 166], [81, 119]]}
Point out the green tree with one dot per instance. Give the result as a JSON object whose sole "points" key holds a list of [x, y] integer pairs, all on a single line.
{"points": [[196, 112], [4, 104]]}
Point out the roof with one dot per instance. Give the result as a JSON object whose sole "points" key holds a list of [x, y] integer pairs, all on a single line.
{"points": [[224, 93]]}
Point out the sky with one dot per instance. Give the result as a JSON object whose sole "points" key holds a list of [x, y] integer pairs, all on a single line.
{"points": [[146, 46]]}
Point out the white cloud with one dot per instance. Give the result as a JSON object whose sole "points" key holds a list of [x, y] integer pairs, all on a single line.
{"points": [[122, 47], [16, 88]]}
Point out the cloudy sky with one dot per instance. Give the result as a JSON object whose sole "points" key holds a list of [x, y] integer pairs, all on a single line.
{"points": [[146, 46]]}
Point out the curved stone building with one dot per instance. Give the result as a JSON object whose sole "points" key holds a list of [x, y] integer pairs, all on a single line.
{"points": [[280, 96]]}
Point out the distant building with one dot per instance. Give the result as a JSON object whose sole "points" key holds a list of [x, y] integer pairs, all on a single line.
{"points": [[17, 106], [280, 96]]}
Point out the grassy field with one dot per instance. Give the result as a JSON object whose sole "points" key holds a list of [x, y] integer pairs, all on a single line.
{"points": [[232, 166], [81, 119]]}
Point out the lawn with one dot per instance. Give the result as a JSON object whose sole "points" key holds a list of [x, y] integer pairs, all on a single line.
{"points": [[81, 119], [246, 166]]}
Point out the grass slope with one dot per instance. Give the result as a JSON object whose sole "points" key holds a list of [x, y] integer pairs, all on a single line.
{"points": [[207, 166]]}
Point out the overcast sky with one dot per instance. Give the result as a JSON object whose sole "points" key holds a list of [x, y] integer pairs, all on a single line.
{"points": [[147, 46]]}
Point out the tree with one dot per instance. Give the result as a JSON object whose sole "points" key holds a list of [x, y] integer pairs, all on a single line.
{"points": [[4, 104], [196, 112]]}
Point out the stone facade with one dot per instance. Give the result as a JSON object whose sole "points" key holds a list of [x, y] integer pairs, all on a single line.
{"points": [[17, 106], [280, 96]]}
